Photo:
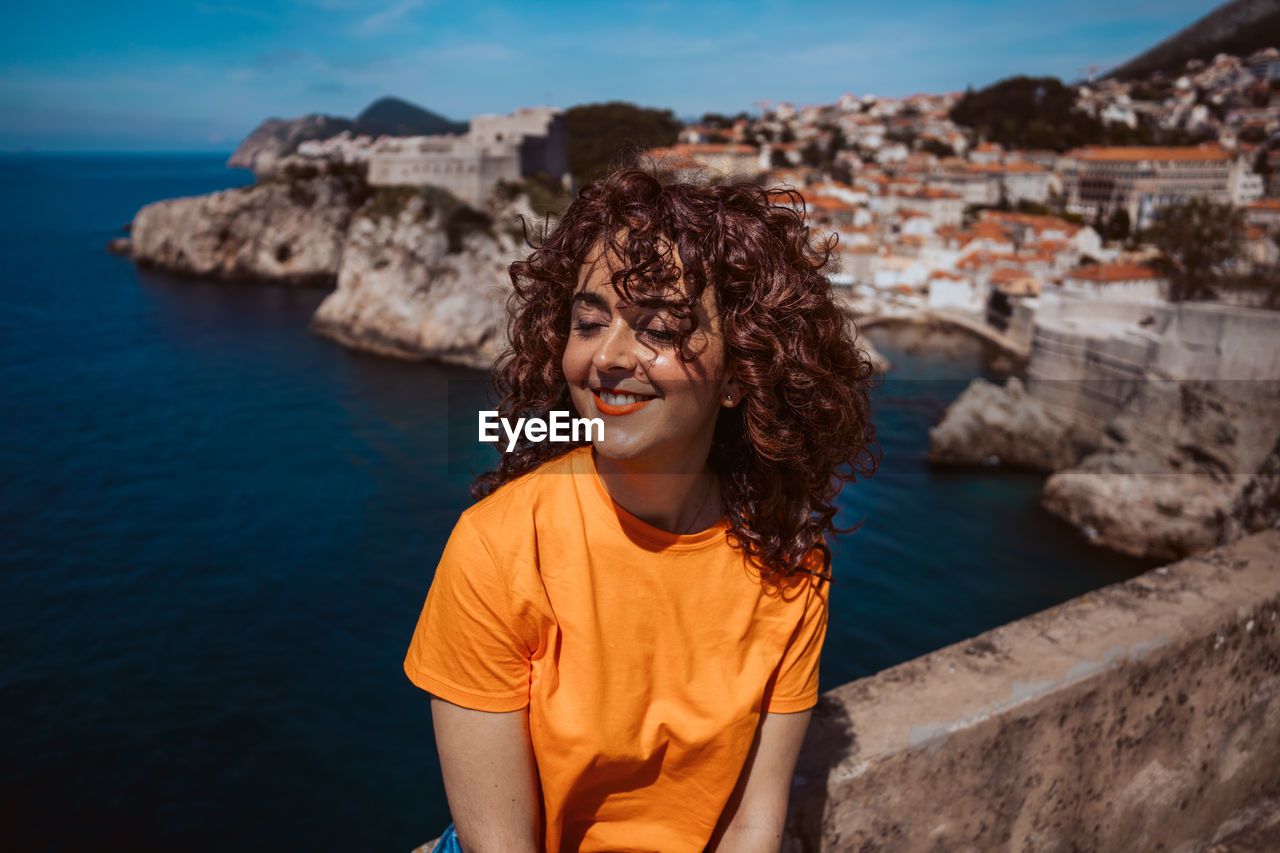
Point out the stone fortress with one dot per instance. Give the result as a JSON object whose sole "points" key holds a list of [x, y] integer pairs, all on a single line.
{"points": [[495, 148]]}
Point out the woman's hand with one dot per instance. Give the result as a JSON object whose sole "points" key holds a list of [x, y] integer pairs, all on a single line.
{"points": [[757, 811], [489, 777]]}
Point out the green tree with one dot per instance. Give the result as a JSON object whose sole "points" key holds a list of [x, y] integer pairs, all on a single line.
{"points": [[1029, 112], [812, 154], [1200, 238], [1118, 226], [603, 135], [937, 147]]}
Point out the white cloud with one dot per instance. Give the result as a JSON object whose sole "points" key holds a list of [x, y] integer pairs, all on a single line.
{"points": [[385, 20]]}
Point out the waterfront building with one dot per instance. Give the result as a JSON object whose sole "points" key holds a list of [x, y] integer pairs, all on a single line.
{"points": [[952, 290], [1098, 181], [1121, 282], [496, 148], [1265, 213]]}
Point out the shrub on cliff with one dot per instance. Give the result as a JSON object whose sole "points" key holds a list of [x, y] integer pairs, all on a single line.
{"points": [[547, 196], [458, 219]]}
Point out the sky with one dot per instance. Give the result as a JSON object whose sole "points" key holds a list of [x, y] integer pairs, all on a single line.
{"points": [[165, 75]]}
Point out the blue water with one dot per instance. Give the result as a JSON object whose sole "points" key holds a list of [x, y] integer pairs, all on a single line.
{"points": [[218, 529]]}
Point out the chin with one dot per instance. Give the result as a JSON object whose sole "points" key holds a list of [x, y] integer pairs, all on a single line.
{"points": [[620, 449]]}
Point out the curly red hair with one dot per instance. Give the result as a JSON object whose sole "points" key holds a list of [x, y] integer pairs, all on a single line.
{"points": [[803, 427]]}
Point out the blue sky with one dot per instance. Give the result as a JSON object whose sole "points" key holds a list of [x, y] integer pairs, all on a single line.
{"points": [[200, 76]]}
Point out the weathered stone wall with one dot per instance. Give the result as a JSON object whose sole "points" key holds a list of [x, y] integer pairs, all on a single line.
{"points": [[1143, 716], [1210, 341], [1089, 356]]}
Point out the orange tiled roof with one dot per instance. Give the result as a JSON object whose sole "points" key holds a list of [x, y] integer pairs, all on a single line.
{"points": [[1052, 246], [1002, 275], [1035, 221], [988, 230], [827, 202], [1112, 272], [1120, 153]]}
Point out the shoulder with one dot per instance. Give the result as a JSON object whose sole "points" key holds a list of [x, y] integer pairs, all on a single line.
{"points": [[517, 504]]}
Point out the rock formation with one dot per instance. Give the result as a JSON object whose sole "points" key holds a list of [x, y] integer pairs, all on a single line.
{"points": [[993, 424], [1169, 467], [1182, 467], [421, 276], [418, 274], [288, 230], [1257, 507]]}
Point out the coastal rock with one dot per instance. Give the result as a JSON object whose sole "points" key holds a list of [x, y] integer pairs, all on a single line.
{"points": [[1257, 507], [286, 230], [1170, 467], [276, 137], [422, 276], [993, 423]]}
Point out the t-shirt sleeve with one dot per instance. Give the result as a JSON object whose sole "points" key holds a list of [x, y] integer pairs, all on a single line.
{"points": [[474, 639], [796, 686]]}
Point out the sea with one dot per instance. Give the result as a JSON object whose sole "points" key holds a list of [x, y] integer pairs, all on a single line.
{"points": [[218, 529]]}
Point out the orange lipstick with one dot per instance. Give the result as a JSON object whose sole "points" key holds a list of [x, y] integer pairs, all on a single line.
{"points": [[610, 409]]}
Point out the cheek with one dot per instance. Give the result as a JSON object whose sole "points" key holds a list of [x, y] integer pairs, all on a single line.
{"points": [[576, 362]]}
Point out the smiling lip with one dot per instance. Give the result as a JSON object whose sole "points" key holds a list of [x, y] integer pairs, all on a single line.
{"points": [[637, 403]]}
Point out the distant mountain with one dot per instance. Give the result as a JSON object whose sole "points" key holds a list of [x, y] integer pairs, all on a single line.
{"points": [[278, 137], [1238, 28], [394, 117]]}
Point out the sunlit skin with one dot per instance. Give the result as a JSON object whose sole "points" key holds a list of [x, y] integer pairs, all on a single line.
{"points": [[653, 459]]}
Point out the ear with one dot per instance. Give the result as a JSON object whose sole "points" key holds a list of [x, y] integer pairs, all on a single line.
{"points": [[730, 394]]}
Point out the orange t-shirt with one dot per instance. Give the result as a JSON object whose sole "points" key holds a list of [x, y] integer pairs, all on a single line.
{"points": [[645, 657]]}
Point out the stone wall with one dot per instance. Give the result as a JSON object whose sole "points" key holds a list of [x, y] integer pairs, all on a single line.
{"points": [[1143, 716], [1088, 355]]}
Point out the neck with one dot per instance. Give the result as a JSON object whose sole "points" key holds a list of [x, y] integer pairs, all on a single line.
{"points": [[680, 502]]}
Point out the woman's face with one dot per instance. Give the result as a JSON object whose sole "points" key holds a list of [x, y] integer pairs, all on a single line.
{"points": [[622, 366]]}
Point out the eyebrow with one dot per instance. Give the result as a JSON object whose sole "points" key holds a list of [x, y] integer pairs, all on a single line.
{"points": [[651, 303]]}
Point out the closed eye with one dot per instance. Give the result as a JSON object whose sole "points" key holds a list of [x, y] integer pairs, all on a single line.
{"points": [[659, 336]]}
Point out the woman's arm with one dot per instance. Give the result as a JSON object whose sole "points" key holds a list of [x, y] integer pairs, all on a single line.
{"points": [[754, 817], [489, 777]]}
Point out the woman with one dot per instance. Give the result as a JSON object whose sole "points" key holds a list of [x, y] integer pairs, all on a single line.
{"points": [[621, 640]]}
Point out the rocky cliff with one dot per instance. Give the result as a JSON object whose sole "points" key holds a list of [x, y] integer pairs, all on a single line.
{"points": [[418, 274], [422, 276], [992, 424], [288, 231], [1182, 467], [1169, 467]]}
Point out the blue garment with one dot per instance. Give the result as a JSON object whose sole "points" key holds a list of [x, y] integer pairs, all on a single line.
{"points": [[448, 842]]}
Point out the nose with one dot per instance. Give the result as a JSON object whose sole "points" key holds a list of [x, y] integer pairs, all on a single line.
{"points": [[616, 349]]}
